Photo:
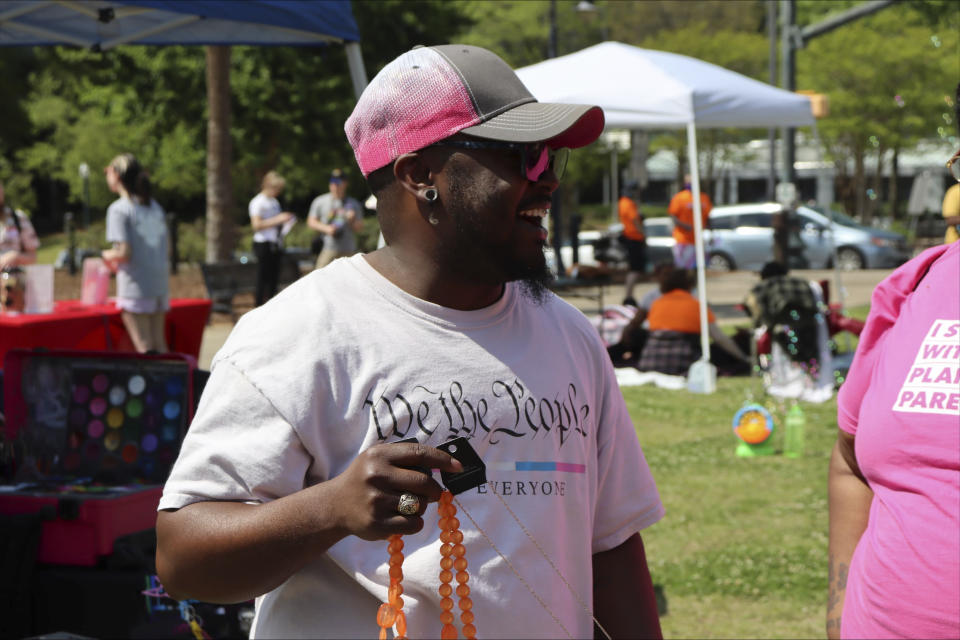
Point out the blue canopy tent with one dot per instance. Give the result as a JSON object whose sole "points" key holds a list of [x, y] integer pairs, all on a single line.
{"points": [[102, 24]]}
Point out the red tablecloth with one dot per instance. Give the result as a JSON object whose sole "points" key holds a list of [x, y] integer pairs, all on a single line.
{"points": [[73, 325]]}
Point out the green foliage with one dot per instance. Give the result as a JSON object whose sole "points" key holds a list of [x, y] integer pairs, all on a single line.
{"points": [[895, 93], [519, 31], [69, 106], [13, 119], [289, 104], [192, 241], [889, 78], [639, 21]]}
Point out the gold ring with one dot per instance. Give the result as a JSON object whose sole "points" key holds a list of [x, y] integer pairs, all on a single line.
{"points": [[409, 504]]}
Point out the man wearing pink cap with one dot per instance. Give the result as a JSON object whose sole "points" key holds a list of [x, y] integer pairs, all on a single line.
{"points": [[292, 476]]}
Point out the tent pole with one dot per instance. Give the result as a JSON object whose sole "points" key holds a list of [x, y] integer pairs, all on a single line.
{"points": [[358, 73], [614, 185], [698, 239]]}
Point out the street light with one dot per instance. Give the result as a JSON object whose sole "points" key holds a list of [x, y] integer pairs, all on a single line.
{"points": [[84, 171]]}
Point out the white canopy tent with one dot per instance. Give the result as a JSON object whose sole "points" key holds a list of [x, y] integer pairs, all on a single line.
{"points": [[644, 89]]}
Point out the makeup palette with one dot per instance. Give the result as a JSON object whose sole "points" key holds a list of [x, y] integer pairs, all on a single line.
{"points": [[103, 418]]}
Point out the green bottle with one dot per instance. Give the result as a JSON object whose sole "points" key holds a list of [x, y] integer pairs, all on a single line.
{"points": [[793, 432]]}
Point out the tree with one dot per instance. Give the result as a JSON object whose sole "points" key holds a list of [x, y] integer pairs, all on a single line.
{"points": [[220, 234], [887, 77], [288, 106]]}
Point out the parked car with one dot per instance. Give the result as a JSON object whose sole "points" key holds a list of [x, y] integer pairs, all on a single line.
{"points": [[741, 237], [659, 232]]}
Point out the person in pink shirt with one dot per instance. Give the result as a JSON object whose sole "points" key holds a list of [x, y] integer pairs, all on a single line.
{"points": [[894, 480]]}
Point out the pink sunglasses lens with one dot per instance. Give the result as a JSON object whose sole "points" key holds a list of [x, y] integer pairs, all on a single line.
{"points": [[534, 172]]}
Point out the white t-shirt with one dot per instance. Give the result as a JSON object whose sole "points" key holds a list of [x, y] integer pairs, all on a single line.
{"points": [[355, 361], [265, 207], [10, 236]]}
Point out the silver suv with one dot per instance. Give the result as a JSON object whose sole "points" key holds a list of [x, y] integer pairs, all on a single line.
{"points": [[741, 237]]}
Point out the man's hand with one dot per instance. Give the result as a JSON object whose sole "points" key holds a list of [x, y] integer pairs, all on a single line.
{"points": [[369, 490]]}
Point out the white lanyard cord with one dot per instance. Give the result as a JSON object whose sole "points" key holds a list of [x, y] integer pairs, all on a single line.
{"points": [[545, 557]]}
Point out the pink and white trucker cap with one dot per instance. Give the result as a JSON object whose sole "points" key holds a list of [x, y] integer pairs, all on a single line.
{"points": [[430, 93]]}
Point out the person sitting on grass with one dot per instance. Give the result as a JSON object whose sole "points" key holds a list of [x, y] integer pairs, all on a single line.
{"points": [[674, 340], [626, 352], [791, 310]]}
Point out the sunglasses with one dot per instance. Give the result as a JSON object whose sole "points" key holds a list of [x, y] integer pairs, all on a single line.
{"points": [[535, 157], [953, 166]]}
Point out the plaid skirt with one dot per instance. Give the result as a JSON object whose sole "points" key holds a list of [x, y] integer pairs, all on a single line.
{"points": [[670, 352]]}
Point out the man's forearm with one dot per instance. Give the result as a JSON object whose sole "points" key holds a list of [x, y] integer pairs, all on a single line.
{"points": [[623, 598], [220, 551], [228, 552]]}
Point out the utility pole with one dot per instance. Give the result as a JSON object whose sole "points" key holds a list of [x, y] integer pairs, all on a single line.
{"points": [[556, 214], [772, 79], [788, 176], [791, 39], [788, 76]]}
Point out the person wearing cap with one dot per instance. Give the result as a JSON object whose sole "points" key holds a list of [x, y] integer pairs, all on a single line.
{"points": [[681, 212], [295, 470], [633, 239], [338, 218]]}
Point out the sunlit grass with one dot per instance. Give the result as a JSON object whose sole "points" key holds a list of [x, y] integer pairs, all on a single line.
{"points": [[742, 551]]}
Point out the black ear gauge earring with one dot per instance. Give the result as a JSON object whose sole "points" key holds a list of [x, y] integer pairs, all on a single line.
{"points": [[431, 195]]}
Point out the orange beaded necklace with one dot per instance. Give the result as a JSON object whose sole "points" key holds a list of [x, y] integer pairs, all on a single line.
{"points": [[453, 556], [452, 552], [391, 612]]}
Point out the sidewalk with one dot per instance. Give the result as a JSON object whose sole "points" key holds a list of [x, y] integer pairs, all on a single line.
{"points": [[724, 291]]}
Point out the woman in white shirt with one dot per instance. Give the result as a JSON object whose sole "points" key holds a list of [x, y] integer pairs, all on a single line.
{"points": [[18, 240], [267, 220]]}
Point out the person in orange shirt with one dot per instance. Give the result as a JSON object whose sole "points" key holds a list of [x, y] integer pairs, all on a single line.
{"points": [[681, 211], [674, 340], [632, 239]]}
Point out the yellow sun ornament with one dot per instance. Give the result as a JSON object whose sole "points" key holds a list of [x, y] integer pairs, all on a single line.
{"points": [[753, 425]]}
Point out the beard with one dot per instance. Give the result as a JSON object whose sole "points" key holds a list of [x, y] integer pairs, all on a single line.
{"points": [[476, 252]]}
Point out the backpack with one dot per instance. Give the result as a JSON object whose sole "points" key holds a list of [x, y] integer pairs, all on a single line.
{"points": [[785, 300]]}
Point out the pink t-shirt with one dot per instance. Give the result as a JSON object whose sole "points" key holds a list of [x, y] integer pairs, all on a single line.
{"points": [[902, 401]]}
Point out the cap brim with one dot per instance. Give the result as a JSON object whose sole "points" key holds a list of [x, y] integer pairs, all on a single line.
{"points": [[562, 125]]}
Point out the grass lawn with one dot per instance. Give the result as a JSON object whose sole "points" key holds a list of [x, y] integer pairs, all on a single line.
{"points": [[742, 551]]}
